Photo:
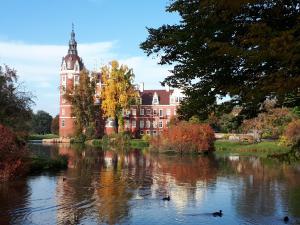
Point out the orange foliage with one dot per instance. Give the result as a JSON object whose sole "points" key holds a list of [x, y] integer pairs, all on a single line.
{"points": [[185, 137], [292, 132], [12, 152]]}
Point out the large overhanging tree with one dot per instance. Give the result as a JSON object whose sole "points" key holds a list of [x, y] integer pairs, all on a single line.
{"points": [[248, 50], [117, 92]]}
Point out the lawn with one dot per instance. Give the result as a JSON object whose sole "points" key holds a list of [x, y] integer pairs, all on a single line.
{"points": [[263, 148], [42, 136]]}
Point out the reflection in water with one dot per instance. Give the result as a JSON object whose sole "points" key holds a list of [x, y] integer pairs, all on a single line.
{"points": [[105, 187]]}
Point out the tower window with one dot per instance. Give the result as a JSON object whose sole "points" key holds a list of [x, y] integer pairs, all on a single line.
{"points": [[63, 123]]}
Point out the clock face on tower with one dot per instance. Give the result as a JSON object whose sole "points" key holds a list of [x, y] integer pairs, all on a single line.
{"points": [[69, 64]]}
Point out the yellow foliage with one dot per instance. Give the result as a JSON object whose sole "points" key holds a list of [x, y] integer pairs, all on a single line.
{"points": [[118, 91]]}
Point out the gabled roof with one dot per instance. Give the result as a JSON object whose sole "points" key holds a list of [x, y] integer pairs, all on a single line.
{"points": [[163, 96]]}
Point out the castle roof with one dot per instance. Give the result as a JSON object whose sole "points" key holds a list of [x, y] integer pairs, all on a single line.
{"points": [[72, 57], [163, 96]]}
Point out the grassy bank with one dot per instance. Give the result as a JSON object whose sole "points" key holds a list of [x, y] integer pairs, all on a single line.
{"points": [[42, 136], [264, 148], [134, 143]]}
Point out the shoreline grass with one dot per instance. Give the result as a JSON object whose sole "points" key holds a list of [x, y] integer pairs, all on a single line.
{"points": [[134, 143], [42, 136], [264, 148]]}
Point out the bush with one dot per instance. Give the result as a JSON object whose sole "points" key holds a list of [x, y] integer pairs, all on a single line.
{"points": [[119, 141], [12, 155], [185, 137], [292, 134]]}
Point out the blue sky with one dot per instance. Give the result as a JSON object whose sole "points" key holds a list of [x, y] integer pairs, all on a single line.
{"points": [[34, 35]]}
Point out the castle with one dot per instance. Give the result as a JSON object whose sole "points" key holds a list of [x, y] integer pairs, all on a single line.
{"points": [[150, 117]]}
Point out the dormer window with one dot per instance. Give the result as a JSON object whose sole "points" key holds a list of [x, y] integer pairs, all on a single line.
{"points": [[155, 100]]}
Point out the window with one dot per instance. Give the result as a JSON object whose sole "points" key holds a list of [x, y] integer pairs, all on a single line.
{"points": [[160, 124], [64, 80], [63, 123], [141, 132], [148, 111], [174, 112], [155, 101], [141, 123], [154, 112], [63, 100], [127, 123], [76, 80], [160, 113], [63, 111], [148, 132], [148, 124], [133, 123], [154, 132], [142, 111], [133, 111], [168, 112], [154, 124]]}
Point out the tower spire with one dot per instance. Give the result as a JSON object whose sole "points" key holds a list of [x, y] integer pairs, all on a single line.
{"points": [[72, 43]]}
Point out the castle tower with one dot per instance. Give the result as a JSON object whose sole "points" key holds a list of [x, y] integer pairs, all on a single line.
{"points": [[69, 76]]}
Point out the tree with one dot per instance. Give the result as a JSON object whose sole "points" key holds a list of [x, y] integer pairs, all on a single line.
{"points": [[15, 103], [245, 49], [41, 122], [118, 91], [82, 100], [55, 125], [270, 124]]}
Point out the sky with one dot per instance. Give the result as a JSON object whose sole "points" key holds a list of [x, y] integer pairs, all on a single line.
{"points": [[34, 37]]}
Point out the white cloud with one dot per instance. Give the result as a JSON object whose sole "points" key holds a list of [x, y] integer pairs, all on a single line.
{"points": [[38, 67]]}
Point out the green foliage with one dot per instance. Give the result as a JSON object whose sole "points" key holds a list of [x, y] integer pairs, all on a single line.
{"points": [[138, 143], [228, 123], [296, 111], [247, 50], [38, 164], [83, 108], [55, 125], [15, 103], [41, 122], [116, 141]]}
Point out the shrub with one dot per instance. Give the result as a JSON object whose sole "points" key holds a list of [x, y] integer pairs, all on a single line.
{"points": [[270, 124], [292, 133], [185, 137], [12, 155]]}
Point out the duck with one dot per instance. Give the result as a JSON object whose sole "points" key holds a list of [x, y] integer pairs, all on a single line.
{"points": [[166, 198], [286, 219], [220, 214]]}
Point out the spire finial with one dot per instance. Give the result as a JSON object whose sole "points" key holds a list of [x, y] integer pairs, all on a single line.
{"points": [[72, 27]]}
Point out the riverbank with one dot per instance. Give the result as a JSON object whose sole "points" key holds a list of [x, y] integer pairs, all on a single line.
{"points": [[133, 143], [42, 136], [264, 148]]}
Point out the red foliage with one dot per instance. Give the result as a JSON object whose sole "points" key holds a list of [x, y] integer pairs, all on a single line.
{"points": [[12, 152], [185, 137]]}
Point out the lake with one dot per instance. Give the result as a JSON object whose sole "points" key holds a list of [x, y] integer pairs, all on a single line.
{"points": [[109, 187]]}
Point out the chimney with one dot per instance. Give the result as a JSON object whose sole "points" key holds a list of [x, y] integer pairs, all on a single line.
{"points": [[142, 87], [167, 88]]}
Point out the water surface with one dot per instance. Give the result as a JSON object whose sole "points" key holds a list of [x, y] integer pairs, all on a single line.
{"points": [[105, 187]]}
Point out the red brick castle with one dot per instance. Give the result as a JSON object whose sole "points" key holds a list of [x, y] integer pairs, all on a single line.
{"points": [[151, 116]]}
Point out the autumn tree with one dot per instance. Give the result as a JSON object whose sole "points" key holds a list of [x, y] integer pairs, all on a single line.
{"points": [[83, 104], [117, 92], [247, 50]]}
